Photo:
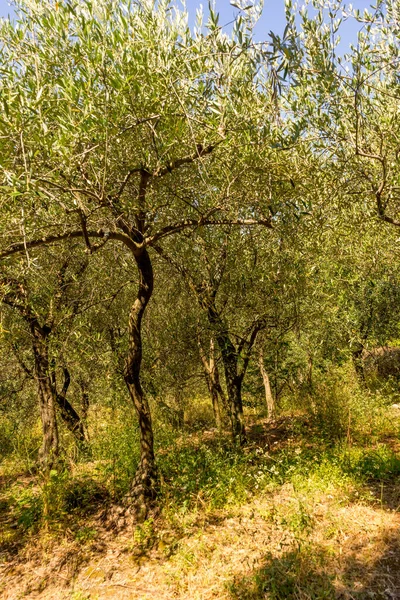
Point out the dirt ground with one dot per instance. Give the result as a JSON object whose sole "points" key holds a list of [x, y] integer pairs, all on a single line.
{"points": [[339, 547]]}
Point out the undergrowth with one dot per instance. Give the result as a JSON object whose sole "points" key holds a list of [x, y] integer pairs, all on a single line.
{"points": [[343, 443]]}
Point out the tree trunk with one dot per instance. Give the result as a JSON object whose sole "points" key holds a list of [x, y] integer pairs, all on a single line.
{"points": [[212, 379], [268, 393], [145, 484], [68, 414], [71, 418], [234, 385], [221, 393], [233, 380], [358, 363], [216, 385], [49, 450], [84, 402], [214, 399]]}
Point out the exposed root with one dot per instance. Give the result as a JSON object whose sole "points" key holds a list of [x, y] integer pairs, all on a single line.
{"points": [[139, 504]]}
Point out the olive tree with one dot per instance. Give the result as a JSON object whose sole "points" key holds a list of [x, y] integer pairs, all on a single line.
{"points": [[119, 123]]}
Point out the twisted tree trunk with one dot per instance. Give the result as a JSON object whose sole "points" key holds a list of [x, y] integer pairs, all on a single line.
{"points": [[145, 484]]}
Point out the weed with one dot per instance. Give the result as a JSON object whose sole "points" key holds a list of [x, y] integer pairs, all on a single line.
{"points": [[301, 521], [85, 534], [84, 494], [144, 537], [27, 507], [144, 533], [377, 463]]}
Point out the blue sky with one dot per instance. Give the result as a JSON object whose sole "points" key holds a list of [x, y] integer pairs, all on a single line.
{"points": [[271, 19]]}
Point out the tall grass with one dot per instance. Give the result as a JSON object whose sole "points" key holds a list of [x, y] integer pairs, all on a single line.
{"points": [[340, 440]]}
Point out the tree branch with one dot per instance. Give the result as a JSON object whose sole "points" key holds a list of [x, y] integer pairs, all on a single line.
{"points": [[187, 223], [199, 153], [125, 182], [21, 363], [245, 346], [69, 190], [52, 239]]}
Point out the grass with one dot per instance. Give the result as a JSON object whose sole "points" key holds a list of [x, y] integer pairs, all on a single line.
{"points": [[298, 514]]}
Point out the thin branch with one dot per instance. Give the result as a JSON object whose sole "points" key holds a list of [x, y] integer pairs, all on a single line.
{"points": [[245, 346], [125, 181], [199, 153], [146, 174], [141, 217], [176, 227], [69, 190], [140, 122], [20, 361], [180, 268]]}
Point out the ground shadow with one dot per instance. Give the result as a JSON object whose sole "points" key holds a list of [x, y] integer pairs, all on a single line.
{"points": [[23, 519], [311, 572], [386, 493]]}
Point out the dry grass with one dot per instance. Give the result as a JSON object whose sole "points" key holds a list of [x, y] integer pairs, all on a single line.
{"points": [[303, 540], [338, 547]]}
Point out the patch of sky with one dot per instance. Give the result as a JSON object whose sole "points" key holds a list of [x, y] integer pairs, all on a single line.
{"points": [[271, 18]]}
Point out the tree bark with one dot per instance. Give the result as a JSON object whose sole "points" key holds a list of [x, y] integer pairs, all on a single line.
{"points": [[68, 413], [49, 449], [358, 363], [84, 402], [234, 384], [233, 379], [214, 375], [220, 392], [267, 387], [145, 484], [212, 379]]}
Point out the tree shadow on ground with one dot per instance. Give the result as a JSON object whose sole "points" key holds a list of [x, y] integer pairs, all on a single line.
{"points": [[386, 493], [22, 512], [313, 572], [274, 434]]}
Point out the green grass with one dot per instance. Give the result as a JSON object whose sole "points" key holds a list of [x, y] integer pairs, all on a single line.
{"points": [[206, 472]]}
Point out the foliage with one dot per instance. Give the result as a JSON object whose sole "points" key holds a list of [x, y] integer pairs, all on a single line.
{"points": [[255, 187]]}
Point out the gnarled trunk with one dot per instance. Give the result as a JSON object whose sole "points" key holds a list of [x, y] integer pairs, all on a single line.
{"points": [[234, 384], [145, 484], [50, 443]]}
